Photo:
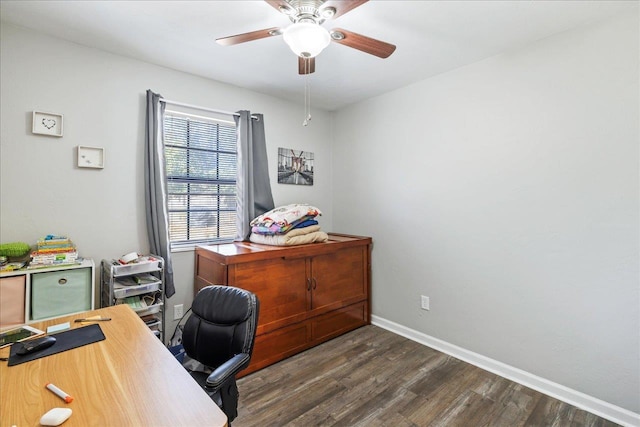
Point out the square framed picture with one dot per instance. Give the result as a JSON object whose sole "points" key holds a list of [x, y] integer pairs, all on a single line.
{"points": [[47, 123], [90, 157], [295, 166]]}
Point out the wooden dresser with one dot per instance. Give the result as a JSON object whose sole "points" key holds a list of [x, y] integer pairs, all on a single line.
{"points": [[308, 293]]}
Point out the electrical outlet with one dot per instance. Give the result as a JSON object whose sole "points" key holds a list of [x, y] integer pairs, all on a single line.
{"points": [[178, 311], [424, 302]]}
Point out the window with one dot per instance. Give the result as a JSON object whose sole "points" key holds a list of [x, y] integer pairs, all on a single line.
{"points": [[201, 165]]}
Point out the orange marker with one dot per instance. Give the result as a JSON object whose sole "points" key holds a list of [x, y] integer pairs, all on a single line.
{"points": [[61, 394]]}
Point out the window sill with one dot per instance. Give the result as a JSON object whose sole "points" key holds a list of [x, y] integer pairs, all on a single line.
{"points": [[191, 247], [183, 248]]}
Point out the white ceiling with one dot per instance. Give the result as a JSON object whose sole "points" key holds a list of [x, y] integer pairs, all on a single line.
{"points": [[431, 37]]}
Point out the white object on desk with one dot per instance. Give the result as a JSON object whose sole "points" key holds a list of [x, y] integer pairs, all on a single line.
{"points": [[55, 417], [59, 327]]}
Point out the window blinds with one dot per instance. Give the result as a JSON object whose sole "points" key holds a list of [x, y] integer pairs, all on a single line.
{"points": [[201, 165]]}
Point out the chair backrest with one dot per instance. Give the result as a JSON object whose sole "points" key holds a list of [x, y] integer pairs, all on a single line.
{"points": [[222, 324]]}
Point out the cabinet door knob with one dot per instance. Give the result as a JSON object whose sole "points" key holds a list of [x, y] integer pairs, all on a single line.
{"points": [[315, 283], [308, 283], [62, 281]]}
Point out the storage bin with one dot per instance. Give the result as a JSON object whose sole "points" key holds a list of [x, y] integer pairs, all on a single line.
{"points": [[60, 292], [12, 297], [138, 268], [120, 291]]}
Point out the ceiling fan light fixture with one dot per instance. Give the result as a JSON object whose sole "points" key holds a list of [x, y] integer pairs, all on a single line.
{"points": [[287, 10], [328, 12], [306, 39], [337, 35]]}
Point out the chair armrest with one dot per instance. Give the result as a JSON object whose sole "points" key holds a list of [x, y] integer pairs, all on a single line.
{"points": [[228, 369]]}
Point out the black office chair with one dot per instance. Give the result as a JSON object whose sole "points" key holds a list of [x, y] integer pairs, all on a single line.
{"points": [[220, 334]]}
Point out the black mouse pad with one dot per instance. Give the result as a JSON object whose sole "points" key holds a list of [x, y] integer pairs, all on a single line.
{"points": [[64, 341]]}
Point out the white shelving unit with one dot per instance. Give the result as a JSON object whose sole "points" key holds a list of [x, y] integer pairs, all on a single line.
{"points": [[139, 284], [29, 295]]}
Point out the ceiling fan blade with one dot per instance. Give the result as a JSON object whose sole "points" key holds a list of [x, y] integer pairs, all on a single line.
{"points": [[342, 6], [279, 5], [306, 65], [247, 37], [365, 44]]}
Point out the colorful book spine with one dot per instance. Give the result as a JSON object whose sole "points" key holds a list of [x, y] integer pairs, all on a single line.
{"points": [[55, 250], [61, 241], [33, 266], [53, 258]]}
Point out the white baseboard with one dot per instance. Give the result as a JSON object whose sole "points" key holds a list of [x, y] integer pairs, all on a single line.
{"points": [[573, 397]]}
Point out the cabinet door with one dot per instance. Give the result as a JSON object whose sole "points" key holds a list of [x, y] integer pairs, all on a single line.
{"points": [[339, 278], [279, 284]]}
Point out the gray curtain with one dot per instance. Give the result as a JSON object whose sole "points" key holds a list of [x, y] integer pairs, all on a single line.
{"points": [[254, 189], [155, 185]]}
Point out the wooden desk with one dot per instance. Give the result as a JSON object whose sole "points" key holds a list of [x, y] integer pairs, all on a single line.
{"points": [[129, 379]]}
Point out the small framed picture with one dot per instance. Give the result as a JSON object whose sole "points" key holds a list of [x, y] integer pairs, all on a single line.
{"points": [[47, 123], [90, 157]]}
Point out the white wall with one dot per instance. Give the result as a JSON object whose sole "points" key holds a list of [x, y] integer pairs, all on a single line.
{"points": [[102, 99], [507, 191]]}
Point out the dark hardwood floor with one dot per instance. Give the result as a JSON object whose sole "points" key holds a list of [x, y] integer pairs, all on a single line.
{"points": [[372, 377]]}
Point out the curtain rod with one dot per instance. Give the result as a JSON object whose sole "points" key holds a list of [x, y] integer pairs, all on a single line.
{"points": [[211, 110]]}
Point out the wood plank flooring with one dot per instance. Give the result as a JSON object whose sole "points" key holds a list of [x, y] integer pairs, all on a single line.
{"points": [[372, 377]]}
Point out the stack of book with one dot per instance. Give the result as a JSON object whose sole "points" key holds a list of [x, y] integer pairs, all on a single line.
{"points": [[53, 251]]}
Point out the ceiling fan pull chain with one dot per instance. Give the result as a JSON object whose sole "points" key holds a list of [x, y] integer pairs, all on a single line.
{"points": [[308, 99], [307, 94]]}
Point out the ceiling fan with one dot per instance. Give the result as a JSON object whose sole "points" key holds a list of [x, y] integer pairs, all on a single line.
{"points": [[306, 36]]}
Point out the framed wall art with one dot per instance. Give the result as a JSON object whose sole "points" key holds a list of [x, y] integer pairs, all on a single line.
{"points": [[47, 123], [90, 157], [295, 167]]}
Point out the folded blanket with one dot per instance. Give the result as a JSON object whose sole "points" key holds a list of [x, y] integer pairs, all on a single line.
{"points": [[297, 236], [303, 222], [306, 223], [279, 220]]}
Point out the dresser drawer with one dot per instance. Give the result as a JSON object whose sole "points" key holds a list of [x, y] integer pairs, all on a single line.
{"points": [[62, 292], [12, 295]]}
